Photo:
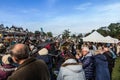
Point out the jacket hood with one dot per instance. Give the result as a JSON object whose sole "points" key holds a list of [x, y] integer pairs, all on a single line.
{"points": [[101, 57], [74, 68]]}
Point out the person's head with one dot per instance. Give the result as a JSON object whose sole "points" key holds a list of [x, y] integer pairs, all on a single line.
{"points": [[32, 47], [97, 52], [68, 55], [5, 59], [19, 52], [1, 45], [85, 51], [64, 49], [78, 54], [105, 49]]}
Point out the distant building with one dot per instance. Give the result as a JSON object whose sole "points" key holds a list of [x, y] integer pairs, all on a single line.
{"points": [[12, 31]]}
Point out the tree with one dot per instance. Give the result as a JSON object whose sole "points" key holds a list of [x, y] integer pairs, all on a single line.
{"points": [[43, 34], [114, 30], [93, 30], [73, 35], [80, 35], [49, 34], [103, 32], [87, 34], [37, 33], [66, 34]]}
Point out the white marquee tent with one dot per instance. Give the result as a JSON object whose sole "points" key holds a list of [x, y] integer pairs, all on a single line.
{"points": [[97, 37], [94, 37], [111, 40]]}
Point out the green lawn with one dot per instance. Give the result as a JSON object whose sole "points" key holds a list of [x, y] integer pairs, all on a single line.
{"points": [[116, 71]]}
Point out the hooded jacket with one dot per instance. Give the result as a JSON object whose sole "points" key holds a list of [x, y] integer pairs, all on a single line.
{"points": [[71, 72]]}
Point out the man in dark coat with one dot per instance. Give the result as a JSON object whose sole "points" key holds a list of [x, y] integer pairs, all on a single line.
{"points": [[110, 60], [43, 55], [30, 68]]}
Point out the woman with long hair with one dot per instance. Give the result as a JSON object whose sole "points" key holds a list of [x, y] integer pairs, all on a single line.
{"points": [[71, 69]]}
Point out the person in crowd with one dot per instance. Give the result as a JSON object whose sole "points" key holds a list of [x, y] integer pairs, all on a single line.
{"points": [[113, 47], [88, 63], [110, 60], [2, 48], [92, 48], [78, 55], [43, 54], [99, 46], [73, 48], [113, 52], [101, 66], [0, 59], [118, 49], [6, 68], [30, 68], [61, 57], [71, 69]]}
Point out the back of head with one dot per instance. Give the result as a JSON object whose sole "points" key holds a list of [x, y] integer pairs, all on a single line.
{"points": [[68, 55], [20, 51]]}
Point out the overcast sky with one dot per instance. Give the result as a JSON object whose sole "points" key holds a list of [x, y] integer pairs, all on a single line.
{"points": [[79, 16]]}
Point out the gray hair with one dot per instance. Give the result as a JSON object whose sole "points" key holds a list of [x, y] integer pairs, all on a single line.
{"points": [[86, 49]]}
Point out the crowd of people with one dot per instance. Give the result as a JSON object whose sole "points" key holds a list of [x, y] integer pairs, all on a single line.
{"points": [[50, 59]]}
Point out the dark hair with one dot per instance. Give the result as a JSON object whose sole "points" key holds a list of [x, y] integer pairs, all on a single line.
{"points": [[23, 53], [69, 55]]}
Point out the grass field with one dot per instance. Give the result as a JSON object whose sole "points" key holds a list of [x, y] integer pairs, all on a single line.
{"points": [[116, 71]]}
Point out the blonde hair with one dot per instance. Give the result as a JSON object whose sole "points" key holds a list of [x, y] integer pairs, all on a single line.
{"points": [[5, 59]]}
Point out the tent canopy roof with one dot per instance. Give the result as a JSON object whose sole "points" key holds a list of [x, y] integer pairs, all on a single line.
{"points": [[97, 37]]}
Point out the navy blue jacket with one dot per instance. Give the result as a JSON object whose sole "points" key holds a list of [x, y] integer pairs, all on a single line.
{"points": [[101, 64], [47, 59], [88, 66]]}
